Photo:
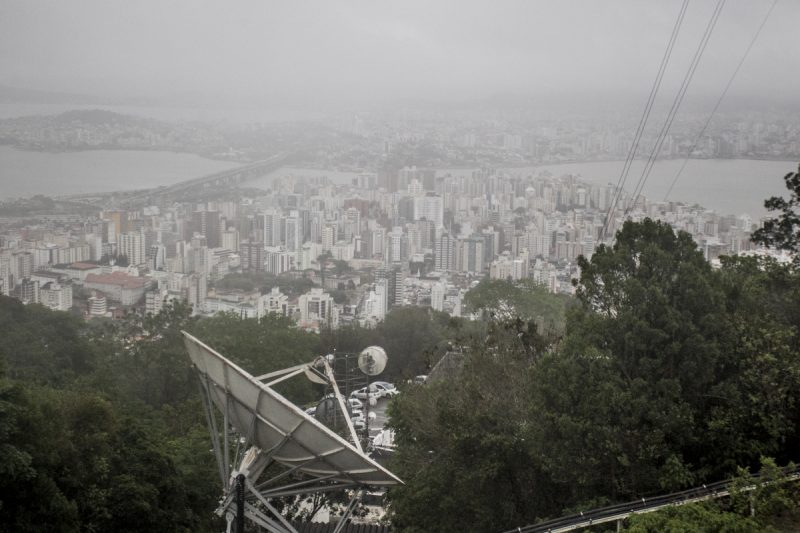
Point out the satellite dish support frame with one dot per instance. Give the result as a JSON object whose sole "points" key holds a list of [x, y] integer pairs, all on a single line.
{"points": [[238, 495]]}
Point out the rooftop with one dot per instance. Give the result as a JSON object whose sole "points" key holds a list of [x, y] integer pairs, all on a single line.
{"points": [[117, 278]]}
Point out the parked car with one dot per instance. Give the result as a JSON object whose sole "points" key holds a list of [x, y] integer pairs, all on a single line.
{"points": [[355, 403], [419, 380], [388, 390], [361, 394]]}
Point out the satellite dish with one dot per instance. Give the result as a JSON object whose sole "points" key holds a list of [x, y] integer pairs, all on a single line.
{"points": [[278, 425], [372, 360]]}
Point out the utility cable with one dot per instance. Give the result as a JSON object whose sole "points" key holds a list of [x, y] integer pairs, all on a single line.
{"points": [[645, 115], [719, 100], [676, 103]]}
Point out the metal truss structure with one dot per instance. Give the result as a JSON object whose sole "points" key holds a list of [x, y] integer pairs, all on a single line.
{"points": [[268, 449]]}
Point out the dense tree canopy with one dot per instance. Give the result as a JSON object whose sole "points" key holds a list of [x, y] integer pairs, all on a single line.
{"points": [[524, 299], [783, 232], [41, 346], [263, 281], [462, 444], [101, 427], [70, 462], [670, 374], [766, 505]]}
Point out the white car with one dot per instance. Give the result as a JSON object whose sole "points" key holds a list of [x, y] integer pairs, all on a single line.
{"points": [[355, 403], [388, 390], [361, 394]]}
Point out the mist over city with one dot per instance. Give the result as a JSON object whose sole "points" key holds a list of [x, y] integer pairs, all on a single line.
{"points": [[399, 266]]}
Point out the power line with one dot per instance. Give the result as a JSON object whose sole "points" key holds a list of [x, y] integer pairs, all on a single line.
{"points": [[676, 103], [623, 177], [719, 100]]}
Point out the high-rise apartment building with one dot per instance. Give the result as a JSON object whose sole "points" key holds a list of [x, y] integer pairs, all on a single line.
{"points": [[470, 257], [132, 246], [429, 207], [277, 260], [293, 232], [328, 237], [444, 252], [208, 224], [251, 255], [397, 246]]}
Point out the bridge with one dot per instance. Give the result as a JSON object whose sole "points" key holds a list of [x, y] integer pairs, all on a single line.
{"points": [[225, 178]]}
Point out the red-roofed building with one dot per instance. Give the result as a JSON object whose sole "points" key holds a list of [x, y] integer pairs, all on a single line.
{"points": [[119, 286]]}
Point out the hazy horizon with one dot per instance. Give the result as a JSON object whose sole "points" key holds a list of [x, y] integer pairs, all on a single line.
{"points": [[316, 54]]}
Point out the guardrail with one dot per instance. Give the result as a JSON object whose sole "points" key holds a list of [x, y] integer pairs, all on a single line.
{"points": [[621, 511]]}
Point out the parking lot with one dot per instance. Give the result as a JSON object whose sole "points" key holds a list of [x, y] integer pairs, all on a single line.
{"points": [[377, 425]]}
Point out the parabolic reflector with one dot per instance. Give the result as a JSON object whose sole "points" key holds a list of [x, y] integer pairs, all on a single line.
{"points": [[372, 360], [276, 425]]}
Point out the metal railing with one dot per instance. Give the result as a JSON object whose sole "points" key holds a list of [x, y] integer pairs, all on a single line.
{"points": [[621, 511]]}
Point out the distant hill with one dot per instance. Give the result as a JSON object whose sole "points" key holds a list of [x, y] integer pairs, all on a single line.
{"points": [[98, 116], [18, 95]]}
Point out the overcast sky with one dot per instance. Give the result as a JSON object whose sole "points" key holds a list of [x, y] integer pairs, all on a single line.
{"points": [[349, 51]]}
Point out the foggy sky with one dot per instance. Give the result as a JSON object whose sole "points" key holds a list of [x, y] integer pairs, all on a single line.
{"points": [[375, 51]]}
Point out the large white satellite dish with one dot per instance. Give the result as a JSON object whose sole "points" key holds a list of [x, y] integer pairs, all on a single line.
{"points": [[274, 424], [372, 360]]}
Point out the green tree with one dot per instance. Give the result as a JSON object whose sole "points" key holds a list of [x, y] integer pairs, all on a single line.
{"points": [[751, 408], [670, 374], [71, 463], [261, 346], [462, 443], [700, 518], [783, 232], [763, 504], [770, 499], [341, 267], [525, 299], [640, 353], [42, 346], [151, 363]]}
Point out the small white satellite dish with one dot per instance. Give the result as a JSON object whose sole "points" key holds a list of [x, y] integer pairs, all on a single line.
{"points": [[372, 360]]}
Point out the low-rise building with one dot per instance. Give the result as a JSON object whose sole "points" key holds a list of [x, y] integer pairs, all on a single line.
{"points": [[56, 296], [118, 286]]}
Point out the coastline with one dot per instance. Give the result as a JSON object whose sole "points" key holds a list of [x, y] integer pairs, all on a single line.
{"points": [[585, 161], [116, 148], [28, 173]]}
